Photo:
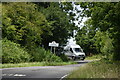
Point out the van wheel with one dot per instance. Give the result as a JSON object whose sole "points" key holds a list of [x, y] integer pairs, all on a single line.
{"points": [[83, 58], [73, 57]]}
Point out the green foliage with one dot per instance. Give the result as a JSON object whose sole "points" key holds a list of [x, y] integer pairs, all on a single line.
{"points": [[13, 53], [85, 38], [23, 23], [94, 57], [50, 57], [97, 69], [104, 44], [104, 17], [29, 64], [64, 58], [95, 42], [39, 54], [34, 24], [107, 47], [0, 49], [61, 27]]}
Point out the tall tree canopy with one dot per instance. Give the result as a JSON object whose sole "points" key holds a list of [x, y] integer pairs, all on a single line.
{"points": [[104, 18], [22, 23], [34, 24], [61, 27]]}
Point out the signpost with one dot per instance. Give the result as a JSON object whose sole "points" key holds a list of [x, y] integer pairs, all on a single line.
{"points": [[53, 44]]}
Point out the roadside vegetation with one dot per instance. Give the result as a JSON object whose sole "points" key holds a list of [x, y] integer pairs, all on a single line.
{"points": [[30, 64], [94, 57], [16, 56], [27, 29], [101, 32], [97, 69], [100, 38], [13, 53]]}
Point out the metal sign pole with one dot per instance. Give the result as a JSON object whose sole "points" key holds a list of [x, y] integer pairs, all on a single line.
{"points": [[51, 48], [53, 44], [54, 50]]}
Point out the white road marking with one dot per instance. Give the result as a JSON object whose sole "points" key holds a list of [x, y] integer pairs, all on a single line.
{"points": [[4, 74], [7, 74], [10, 74], [63, 76], [20, 75]]}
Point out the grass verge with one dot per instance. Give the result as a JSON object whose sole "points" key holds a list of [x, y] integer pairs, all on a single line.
{"points": [[98, 69], [94, 57], [30, 64]]}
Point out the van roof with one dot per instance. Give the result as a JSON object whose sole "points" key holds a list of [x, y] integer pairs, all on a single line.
{"points": [[74, 46]]}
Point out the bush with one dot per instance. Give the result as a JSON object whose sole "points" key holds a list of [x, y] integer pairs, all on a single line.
{"points": [[64, 58], [13, 53], [50, 57], [39, 54], [0, 48], [104, 44], [107, 47]]}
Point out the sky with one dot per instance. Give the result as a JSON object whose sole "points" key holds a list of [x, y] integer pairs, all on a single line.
{"points": [[77, 15], [72, 40]]}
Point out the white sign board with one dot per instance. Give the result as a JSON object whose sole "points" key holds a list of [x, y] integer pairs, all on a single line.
{"points": [[54, 44]]}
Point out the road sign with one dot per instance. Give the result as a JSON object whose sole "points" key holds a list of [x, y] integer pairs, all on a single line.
{"points": [[54, 44]]}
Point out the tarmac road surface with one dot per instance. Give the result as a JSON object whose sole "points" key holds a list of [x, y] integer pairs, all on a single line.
{"points": [[40, 72]]}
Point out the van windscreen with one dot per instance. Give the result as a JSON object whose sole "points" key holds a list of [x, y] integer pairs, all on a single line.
{"points": [[77, 50]]}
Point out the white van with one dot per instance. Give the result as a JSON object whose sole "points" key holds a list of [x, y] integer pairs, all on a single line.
{"points": [[74, 51]]}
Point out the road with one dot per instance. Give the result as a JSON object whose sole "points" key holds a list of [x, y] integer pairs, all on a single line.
{"points": [[40, 72]]}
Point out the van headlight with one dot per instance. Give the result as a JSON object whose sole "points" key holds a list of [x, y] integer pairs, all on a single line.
{"points": [[74, 55]]}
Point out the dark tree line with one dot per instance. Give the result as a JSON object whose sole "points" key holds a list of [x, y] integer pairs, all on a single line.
{"points": [[29, 26], [35, 24], [101, 33], [32, 25]]}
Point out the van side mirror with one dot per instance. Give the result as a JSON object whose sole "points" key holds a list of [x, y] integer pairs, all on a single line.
{"points": [[71, 50]]}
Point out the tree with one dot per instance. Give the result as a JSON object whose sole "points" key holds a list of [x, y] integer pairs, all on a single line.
{"points": [[105, 17], [85, 38], [23, 24], [35, 24], [104, 44], [61, 28]]}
